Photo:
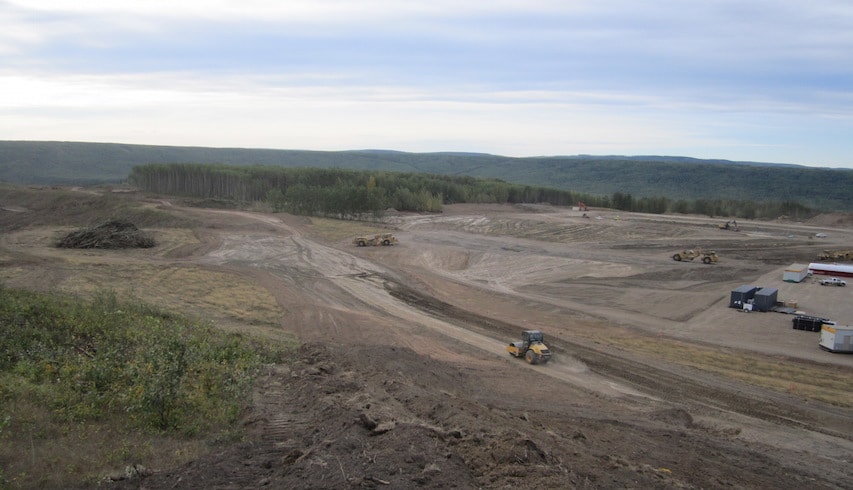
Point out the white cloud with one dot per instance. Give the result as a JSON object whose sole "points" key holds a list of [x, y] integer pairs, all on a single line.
{"points": [[182, 110], [324, 11], [518, 77]]}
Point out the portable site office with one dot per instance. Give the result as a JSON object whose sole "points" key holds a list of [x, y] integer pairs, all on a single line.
{"points": [[795, 273], [836, 339]]}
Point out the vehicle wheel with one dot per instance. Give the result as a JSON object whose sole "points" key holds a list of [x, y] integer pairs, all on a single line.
{"points": [[531, 357], [706, 260], [676, 258], [386, 242], [361, 243]]}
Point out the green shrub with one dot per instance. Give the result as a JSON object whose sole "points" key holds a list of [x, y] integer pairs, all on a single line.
{"points": [[107, 358]]}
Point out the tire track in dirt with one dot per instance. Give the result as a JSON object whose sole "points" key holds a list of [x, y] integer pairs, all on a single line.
{"points": [[662, 383], [362, 284], [407, 317], [359, 285]]}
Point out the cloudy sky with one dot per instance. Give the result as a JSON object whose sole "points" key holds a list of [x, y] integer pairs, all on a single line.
{"points": [[762, 80]]}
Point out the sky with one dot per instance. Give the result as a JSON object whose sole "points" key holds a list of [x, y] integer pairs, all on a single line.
{"points": [[758, 80]]}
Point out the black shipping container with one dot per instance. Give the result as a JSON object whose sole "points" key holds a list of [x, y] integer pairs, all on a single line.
{"points": [[742, 296], [765, 299]]}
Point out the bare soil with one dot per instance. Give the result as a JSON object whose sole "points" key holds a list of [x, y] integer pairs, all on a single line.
{"points": [[403, 380]]}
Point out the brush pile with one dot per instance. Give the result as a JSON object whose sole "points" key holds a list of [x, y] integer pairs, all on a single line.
{"points": [[110, 235]]}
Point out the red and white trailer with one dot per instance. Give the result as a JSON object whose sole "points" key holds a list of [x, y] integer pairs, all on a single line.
{"points": [[844, 270]]}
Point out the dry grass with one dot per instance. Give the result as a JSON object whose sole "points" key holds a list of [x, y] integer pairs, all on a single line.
{"points": [[829, 384], [136, 273], [39, 453], [194, 291], [335, 230]]}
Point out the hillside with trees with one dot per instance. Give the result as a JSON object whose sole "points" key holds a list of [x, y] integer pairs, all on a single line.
{"points": [[342, 193], [646, 177]]}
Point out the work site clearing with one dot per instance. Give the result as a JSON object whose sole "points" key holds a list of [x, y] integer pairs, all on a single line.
{"points": [[403, 379]]}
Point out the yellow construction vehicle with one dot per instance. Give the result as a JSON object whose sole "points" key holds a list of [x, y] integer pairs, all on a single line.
{"points": [[710, 257], [386, 239], [532, 347], [729, 225], [688, 255], [837, 255], [381, 239]]}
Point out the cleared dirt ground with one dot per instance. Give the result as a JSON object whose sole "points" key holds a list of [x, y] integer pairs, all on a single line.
{"points": [[403, 379]]}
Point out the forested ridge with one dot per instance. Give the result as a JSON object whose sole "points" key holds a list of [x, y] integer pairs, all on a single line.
{"points": [[676, 178], [355, 193]]}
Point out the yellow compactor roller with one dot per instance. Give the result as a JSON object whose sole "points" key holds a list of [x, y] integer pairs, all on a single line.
{"points": [[532, 347]]}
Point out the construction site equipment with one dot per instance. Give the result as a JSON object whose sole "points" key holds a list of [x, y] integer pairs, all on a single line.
{"points": [[809, 323], [688, 255], [685, 255], [531, 347], [729, 225], [836, 255], [836, 339], [380, 239], [582, 206]]}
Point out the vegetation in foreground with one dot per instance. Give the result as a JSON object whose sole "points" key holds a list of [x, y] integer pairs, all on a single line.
{"points": [[118, 379]]}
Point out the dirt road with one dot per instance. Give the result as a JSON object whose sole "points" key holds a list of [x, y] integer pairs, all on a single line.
{"points": [[404, 379]]}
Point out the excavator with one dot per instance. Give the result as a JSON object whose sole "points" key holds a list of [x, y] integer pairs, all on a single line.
{"points": [[532, 347]]}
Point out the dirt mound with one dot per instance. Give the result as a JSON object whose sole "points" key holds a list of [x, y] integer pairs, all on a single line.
{"points": [[113, 234], [386, 417], [836, 220]]}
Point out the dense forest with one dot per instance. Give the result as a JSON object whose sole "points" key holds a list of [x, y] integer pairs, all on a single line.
{"points": [[353, 194], [642, 177]]}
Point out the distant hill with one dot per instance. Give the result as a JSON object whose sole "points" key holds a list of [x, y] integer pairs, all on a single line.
{"points": [[31, 162]]}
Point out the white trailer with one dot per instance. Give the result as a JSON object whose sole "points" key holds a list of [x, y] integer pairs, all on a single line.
{"points": [[836, 339], [831, 269], [795, 273]]}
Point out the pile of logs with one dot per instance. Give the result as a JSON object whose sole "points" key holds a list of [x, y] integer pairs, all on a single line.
{"points": [[112, 234]]}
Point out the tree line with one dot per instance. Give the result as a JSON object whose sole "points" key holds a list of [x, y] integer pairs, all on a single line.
{"points": [[340, 192], [344, 193]]}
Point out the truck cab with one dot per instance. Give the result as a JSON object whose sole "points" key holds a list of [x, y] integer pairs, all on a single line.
{"points": [[833, 281]]}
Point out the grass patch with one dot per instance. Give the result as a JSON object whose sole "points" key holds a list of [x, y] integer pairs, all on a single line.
{"points": [[197, 291], [335, 230], [87, 388], [829, 384]]}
